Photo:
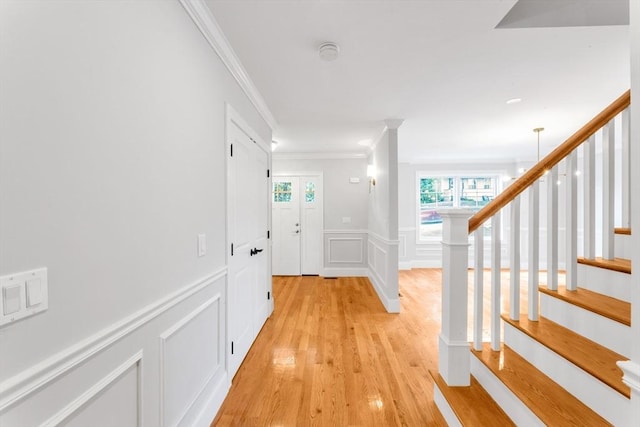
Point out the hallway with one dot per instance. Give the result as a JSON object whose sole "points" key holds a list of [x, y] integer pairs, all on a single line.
{"points": [[331, 355]]}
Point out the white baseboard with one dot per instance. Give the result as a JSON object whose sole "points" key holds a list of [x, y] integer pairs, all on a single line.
{"points": [[392, 305], [344, 272], [213, 403]]}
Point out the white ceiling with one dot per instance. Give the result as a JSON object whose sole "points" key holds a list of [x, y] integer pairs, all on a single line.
{"points": [[439, 64]]}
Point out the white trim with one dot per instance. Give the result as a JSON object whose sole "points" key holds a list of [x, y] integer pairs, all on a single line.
{"points": [[345, 272], [338, 239], [20, 386], [336, 231], [163, 344], [443, 405], [318, 156], [208, 26], [383, 239], [631, 376], [503, 396], [97, 388]]}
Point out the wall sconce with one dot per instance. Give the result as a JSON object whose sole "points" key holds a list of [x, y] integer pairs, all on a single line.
{"points": [[371, 173]]}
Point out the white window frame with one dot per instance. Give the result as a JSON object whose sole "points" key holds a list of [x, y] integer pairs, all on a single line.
{"points": [[456, 175]]}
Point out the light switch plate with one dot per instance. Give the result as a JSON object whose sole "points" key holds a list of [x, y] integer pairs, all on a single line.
{"points": [[353, 180], [33, 295]]}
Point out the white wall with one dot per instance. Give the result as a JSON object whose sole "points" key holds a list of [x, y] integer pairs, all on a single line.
{"points": [[112, 161], [345, 209]]}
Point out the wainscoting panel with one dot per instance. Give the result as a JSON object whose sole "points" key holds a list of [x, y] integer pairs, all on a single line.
{"points": [[383, 270], [165, 361], [122, 389], [191, 355], [345, 253]]}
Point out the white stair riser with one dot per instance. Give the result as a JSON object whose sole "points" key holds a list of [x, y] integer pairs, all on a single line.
{"points": [[603, 281], [622, 246], [519, 413], [608, 403], [606, 332], [445, 408]]}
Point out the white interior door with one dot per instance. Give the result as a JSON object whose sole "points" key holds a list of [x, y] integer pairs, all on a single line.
{"points": [[248, 286], [286, 226], [297, 225]]}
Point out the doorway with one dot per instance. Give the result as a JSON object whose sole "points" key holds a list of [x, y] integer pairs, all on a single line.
{"points": [[297, 219]]}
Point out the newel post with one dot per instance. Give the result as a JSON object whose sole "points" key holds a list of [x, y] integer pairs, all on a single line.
{"points": [[453, 345]]}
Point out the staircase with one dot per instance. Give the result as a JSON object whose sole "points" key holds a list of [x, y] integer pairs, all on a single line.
{"points": [[559, 361]]}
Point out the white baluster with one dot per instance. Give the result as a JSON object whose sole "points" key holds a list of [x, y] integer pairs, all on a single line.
{"points": [[552, 229], [626, 183], [589, 211], [478, 239], [495, 282], [572, 222], [608, 188], [514, 248], [534, 250], [453, 344]]}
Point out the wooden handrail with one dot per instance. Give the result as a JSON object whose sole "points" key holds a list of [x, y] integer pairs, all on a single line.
{"points": [[552, 159]]}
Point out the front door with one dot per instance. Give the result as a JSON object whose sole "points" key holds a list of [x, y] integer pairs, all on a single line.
{"points": [[248, 280], [297, 225]]}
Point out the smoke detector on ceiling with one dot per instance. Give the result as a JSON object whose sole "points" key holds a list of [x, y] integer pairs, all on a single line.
{"points": [[328, 51]]}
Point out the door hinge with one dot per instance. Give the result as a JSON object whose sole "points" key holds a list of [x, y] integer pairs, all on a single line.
{"points": [[231, 150], [268, 173], [231, 347], [268, 234], [268, 295], [232, 249]]}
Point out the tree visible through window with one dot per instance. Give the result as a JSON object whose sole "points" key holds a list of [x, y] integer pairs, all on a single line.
{"points": [[281, 192], [310, 192], [437, 193]]}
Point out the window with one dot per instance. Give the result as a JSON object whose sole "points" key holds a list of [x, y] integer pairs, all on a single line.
{"points": [[281, 192], [438, 192], [310, 192]]}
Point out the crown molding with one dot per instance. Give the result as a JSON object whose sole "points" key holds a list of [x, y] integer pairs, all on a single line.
{"points": [[317, 156], [208, 26]]}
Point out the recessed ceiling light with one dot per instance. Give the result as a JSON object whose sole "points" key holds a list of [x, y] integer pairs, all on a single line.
{"points": [[328, 51], [365, 142], [514, 101]]}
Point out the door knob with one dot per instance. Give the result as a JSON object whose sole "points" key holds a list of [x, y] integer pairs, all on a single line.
{"points": [[297, 231], [255, 251], [297, 224]]}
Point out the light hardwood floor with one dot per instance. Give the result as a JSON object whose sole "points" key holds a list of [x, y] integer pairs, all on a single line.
{"points": [[331, 356]]}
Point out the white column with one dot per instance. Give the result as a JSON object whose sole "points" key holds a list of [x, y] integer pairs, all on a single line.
{"points": [[534, 250], [495, 282], [589, 211], [514, 257], [571, 260], [552, 229], [608, 189], [453, 346], [478, 290]]}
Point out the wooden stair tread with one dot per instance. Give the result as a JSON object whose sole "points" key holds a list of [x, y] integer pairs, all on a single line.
{"points": [[590, 356], [472, 405], [618, 264], [614, 309], [544, 397], [622, 230]]}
